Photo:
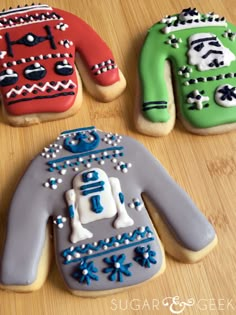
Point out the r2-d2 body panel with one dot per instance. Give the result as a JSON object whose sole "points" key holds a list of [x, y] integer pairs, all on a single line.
{"points": [[94, 198]]}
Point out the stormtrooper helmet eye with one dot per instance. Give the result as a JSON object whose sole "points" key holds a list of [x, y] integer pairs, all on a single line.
{"points": [[199, 47]]}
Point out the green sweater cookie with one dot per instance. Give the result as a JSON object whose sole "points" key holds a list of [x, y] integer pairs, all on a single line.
{"points": [[201, 50]]}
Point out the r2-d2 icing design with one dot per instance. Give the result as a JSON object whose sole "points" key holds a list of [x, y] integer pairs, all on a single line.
{"points": [[94, 197], [207, 52]]}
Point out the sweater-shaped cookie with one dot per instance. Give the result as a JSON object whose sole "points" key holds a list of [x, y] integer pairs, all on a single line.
{"points": [[38, 77], [93, 185], [200, 49]]}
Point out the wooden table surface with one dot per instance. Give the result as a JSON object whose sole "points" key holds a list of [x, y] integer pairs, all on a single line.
{"points": [[204, 166]]}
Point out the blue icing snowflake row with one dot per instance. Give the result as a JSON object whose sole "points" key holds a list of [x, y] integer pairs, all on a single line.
{"points": [[141, 235], [116, 266]]}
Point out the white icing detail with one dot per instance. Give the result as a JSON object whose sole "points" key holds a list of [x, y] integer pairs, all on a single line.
{"points": [[41, 88], [229, 34], [198, 99], [30, 38], [9, 71], [168, 19], [77, 255], [146, 255], [209, 57], [223, 99], [79, 233], [34, 70], [123, 219], [8, 75], [2, 54], [117, 265], [27, 23], [80, 199], [180, 27], [59, 221], [185, 16], [85, 272], [212, 15], [43, 7], [62, 26], [63, 171]]}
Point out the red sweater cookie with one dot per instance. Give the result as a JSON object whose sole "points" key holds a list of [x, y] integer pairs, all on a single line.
{"points": [[38, 78]]}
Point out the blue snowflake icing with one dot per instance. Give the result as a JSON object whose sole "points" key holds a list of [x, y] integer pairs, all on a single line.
{"points": [[144, 256], [86, 272], [117, 268]]}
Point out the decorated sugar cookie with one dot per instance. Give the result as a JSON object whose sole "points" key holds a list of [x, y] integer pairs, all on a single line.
{"points": [[93, 184], [200, 50], [38, 77]]}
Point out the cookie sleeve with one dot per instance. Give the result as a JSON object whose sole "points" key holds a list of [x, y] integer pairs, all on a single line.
{"points": [[95, 53], [185, 221], [26, 230], [152, 77]]}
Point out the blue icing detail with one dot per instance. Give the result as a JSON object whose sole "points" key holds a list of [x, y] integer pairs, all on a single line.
{"points": [[142, 232], [77, 156], [82, 145], [116, 268], [101, 183], [71, 211], [91, 191], [96, 204], [77, 130], [121, 197], [137, 203], [86, 272], [145, 256], [90, 176]]}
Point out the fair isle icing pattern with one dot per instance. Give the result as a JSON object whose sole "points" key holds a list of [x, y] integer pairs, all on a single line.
{"points": [[102, 238], [41, 56], [117, 242], [204, 61]]}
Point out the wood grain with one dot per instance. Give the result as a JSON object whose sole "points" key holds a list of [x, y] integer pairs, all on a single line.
{"points": [[204, 166]]}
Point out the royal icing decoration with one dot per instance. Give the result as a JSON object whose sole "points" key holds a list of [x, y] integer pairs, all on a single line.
{"points": [[226, 95], [198, 99], [117, 269], [203, 69], [104, 237], [40, 55], [207, 52], [145, 256], [59, 221]]}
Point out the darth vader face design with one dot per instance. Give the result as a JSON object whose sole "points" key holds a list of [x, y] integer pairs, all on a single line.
{"points": [[207, 52]]}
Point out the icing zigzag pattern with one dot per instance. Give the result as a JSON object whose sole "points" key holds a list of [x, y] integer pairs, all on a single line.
{"points": [[43, 88], [73, 253], [5, 23]]}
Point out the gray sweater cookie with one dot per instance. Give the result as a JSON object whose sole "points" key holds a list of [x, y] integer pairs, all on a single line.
{"points": [[90, 182]]}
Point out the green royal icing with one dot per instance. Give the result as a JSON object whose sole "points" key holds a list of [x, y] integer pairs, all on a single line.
{"points": [[153, 56]]}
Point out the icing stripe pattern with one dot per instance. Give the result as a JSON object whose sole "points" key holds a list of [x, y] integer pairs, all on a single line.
{"points": [[41, 88], [41, 97], [229, 75], [183, 25], [69, 132], [77, 156], [24, 9], [36, 58], [142, 234]]}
